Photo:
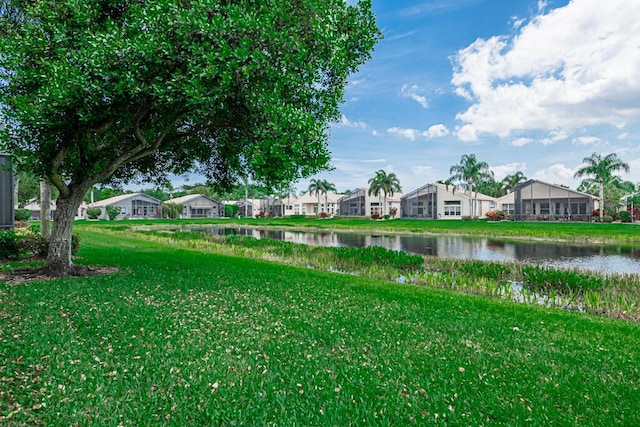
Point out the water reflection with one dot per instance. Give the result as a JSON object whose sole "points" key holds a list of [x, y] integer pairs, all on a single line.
{"points": [[605, 259]]}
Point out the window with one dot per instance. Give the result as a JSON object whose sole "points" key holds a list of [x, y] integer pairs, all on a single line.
{"points": [[452, 208], [578, 208], [509, 208], [544, 208]]}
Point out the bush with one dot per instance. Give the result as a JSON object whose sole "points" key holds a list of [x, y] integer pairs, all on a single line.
{"points": [[113, 212], [625, 216], [75, 244], [607, 218], [495, 216], [172, 210], [386, 216], [9, 244], [94, 213], [35, 244], [231, 210], [375, 216], [323, 215], [393, 212], [22, 214]]}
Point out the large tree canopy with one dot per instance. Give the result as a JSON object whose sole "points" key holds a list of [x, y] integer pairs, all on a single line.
{"points": [[111, 89]]}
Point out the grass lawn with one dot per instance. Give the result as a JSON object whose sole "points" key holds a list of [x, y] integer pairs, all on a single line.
{"points": [[184, 337]]}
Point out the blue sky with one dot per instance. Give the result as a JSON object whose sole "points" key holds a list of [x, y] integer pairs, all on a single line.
{"points": [[525, 85]]}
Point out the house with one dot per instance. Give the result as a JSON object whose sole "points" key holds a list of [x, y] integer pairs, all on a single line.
{"points": [[34, 207], [199, 206], [284, 207], [440, 201], [248, 207], [535, 200], [359, 203], [307, 204], [134, 205]]}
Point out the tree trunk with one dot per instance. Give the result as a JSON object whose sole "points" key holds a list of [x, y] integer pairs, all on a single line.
{"points": [[45, 209], [601, 182], [59, 256]]}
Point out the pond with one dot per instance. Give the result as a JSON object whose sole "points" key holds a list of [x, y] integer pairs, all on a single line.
{"points": [[605, 259]]}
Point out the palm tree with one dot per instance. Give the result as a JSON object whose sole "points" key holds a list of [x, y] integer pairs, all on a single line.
{"points": [[316, 187], [601, 170], [510, 182], [387, 184], [375, 184], [470, 171], [326, 187]]}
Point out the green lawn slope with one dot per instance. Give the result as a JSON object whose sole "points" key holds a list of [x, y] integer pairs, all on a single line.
{"points": [[183, 337]]}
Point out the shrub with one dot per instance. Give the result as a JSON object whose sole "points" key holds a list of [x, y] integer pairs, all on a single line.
{"points": [[9, 244], [35, 244], [625, 216], [495, 216], [231, 210], [22, 214], [20, 224], [75, 244], [607, 218], [375, 216], [323, 215], [393, 212], [94, 213], [113, 212], [172, 210], [386, 216]]}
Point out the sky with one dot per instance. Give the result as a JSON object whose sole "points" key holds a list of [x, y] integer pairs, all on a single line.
{"points": [[525, 85]]}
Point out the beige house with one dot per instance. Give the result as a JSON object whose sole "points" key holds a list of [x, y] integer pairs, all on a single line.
{"points": [[439, 201], [199, 206], [307, 204]]}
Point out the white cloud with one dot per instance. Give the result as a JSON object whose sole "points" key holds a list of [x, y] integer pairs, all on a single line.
{"points": [[411, 134], [436, 131], [586, 140], [521, 142], [555, 136], [413, 92], [557, 174], [467, 133], [501, 171], [623, 135], [573, 67], [345, 122]]}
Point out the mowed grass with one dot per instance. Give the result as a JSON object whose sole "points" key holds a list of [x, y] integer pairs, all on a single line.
{"points": [[182, 337]]}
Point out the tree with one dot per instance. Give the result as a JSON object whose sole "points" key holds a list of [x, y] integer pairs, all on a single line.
{"points": [[468, 172], [326, 187], [510, 182], [316, 187], [387, 184], [107, 90], [601, 169]]}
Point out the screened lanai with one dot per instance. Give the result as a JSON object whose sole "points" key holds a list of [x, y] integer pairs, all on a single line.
{"points": [[539, 201], [354, 203], [420, 203]]}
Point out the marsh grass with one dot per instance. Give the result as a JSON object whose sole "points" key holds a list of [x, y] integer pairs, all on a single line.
{"points": [[186, 337], [618, 295]]}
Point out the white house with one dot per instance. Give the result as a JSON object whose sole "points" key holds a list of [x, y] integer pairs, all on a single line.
{"points": [[285, 206], [34, 207], [134, 205], [199, 206], [535, 200], [307, 204], [440, 201], [359, 203]]}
